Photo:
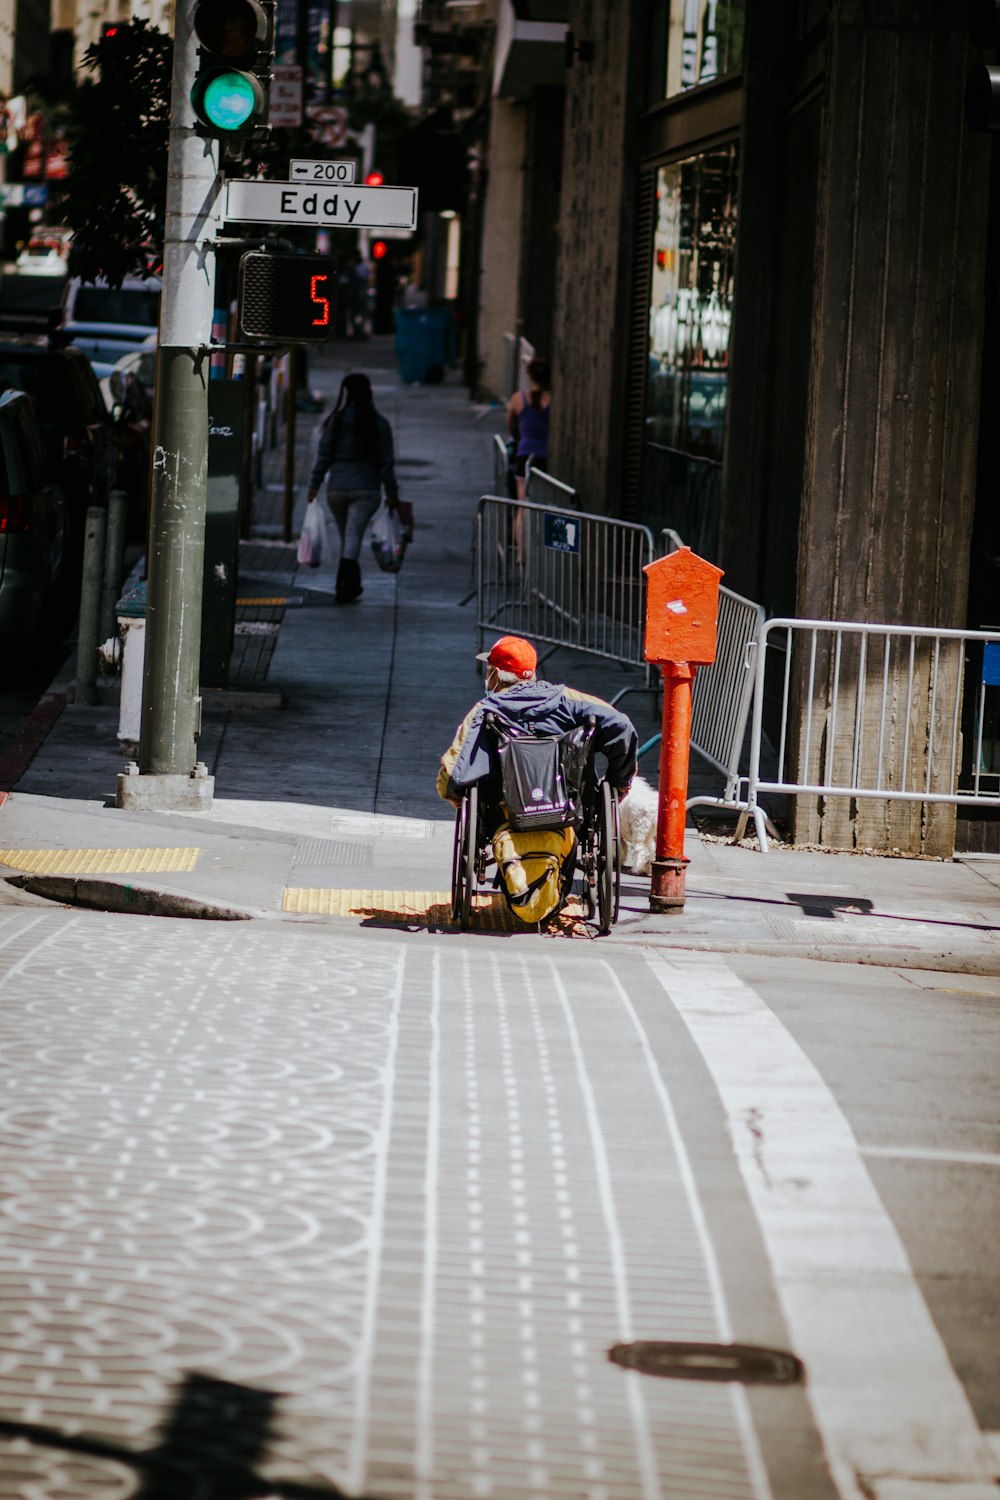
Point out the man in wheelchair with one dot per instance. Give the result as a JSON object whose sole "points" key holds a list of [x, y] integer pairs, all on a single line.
{"points": [[523, 759]]}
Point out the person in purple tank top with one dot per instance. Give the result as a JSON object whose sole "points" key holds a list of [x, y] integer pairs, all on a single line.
{"points": [[528, 422]]}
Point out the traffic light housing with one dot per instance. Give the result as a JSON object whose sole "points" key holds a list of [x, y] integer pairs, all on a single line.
{"points": [[286, 298], [231, 88]]}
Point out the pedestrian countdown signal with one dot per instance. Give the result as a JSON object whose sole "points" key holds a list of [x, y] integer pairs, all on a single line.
{"points": [[287, 298]]}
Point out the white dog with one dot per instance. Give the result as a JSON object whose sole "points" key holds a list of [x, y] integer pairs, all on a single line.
{"points": [[637, 815]]}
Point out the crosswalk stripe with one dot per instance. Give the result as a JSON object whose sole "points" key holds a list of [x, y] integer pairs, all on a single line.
{"points": [[893, 1416]]}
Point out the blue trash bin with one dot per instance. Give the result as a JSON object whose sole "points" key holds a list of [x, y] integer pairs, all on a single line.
{"points": [[425, 342]]}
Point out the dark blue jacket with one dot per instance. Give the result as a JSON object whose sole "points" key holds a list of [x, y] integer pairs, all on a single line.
{"points": [[541, 708]]}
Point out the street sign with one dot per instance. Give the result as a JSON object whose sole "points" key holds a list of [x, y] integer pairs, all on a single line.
{"points": [[288, 298], [323, 171], [286, 95], [560, 534], [249, 201], [328, 123]]}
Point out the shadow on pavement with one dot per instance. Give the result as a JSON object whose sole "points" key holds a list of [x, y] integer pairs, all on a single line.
{"points": [[214, 1435]]}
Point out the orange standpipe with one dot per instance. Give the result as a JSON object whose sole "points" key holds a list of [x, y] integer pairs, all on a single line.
{"points": [[682, 608]]}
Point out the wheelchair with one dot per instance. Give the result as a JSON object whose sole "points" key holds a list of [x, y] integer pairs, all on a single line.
{"points": [[597, 855]]}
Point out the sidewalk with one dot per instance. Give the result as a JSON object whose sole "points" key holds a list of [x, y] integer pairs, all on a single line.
{"points": [[325, 750]]}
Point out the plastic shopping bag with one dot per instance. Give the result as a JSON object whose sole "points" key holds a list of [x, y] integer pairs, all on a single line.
{"points": [[388, 545], [313, 545]]}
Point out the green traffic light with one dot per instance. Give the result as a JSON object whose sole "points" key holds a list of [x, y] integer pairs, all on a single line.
{"points": [[229, 99]]}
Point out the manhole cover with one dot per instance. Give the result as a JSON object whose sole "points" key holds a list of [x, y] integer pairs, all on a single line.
{"points": [[748, 1363]]}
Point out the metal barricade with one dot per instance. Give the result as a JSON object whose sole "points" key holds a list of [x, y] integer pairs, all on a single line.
{"points": [[545, 489], [563, 577], [875, 711], [499, 464], [723, 695], [723, 692]]}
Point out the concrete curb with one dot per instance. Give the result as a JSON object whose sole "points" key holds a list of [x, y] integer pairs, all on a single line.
{"points": [[124, 896]]}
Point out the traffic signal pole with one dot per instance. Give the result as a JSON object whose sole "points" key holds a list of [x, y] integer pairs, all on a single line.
{"points": [[168, 775]]}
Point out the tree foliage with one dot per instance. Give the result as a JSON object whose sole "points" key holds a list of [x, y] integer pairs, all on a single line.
{"points": [[118, 131]]}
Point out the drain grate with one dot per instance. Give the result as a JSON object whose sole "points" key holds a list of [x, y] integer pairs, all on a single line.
{"points": [[750, 1364]]}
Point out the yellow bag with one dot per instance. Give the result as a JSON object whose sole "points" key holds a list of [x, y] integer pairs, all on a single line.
{"points": [[531, 865]]}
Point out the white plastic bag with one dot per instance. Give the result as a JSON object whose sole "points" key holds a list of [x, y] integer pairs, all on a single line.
{"points": [[388, 545], [313, 543]]}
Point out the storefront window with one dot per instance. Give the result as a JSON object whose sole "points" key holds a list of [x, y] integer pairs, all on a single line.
{"points": [[705, 41], [689, 319]]}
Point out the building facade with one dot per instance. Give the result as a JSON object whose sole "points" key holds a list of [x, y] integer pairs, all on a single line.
{"points": [[759, 245]]}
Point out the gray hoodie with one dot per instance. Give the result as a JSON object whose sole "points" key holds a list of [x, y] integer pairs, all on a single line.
{"points": [[352, 466]]}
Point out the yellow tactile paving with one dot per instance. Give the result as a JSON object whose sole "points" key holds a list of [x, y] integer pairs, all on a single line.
{"points": [[271, 603], [98, 861], [409, 908], [429, 908]]}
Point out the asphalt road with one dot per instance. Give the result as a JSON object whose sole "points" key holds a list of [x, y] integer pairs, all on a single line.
{"points": [[303, 1209]]}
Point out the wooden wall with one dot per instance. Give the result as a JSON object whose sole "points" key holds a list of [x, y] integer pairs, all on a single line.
{"points": [[890, 461]]}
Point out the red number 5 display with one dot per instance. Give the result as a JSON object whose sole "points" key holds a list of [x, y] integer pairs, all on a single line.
{"points": [[286, 299]]}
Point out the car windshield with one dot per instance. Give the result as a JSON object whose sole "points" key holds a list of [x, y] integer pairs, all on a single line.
{"points": [[102, 304]]}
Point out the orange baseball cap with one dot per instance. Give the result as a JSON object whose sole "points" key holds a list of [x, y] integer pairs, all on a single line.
{"points": [[511, 653]]}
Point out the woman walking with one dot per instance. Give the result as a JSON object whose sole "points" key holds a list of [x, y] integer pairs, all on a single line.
{"points": [[355, 446], [528, 422]]}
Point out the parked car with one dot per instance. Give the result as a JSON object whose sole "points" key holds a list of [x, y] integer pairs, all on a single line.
{"points": [[139, 364], [107, 322], [31, 304], [131, 403], [76, 424], [46, 253], [37, 588]]}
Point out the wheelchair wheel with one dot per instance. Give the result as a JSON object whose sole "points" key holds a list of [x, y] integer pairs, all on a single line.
{"points": [[609, 866], [463, 862]]}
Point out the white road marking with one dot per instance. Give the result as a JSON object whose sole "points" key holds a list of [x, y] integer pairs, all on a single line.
{"points": [[895, 1421], [751, 1447], [423, 1463], [645, 1454], [357, 1461], [43, 942]]}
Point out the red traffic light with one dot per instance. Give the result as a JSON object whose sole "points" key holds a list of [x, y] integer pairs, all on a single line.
{"points": [[379, 250], [375, 179]]}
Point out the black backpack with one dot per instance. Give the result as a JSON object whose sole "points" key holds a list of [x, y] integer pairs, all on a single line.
{"points": [[542, 776]]}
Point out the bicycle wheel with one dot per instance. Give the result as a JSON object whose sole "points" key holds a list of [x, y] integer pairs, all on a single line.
{"points": [[608, 859]]}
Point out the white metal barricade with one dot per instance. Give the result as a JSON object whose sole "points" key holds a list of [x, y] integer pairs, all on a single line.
{"points": [[723, 694], [499, 464], [873, 711], [563, 577], [545, 489]]}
